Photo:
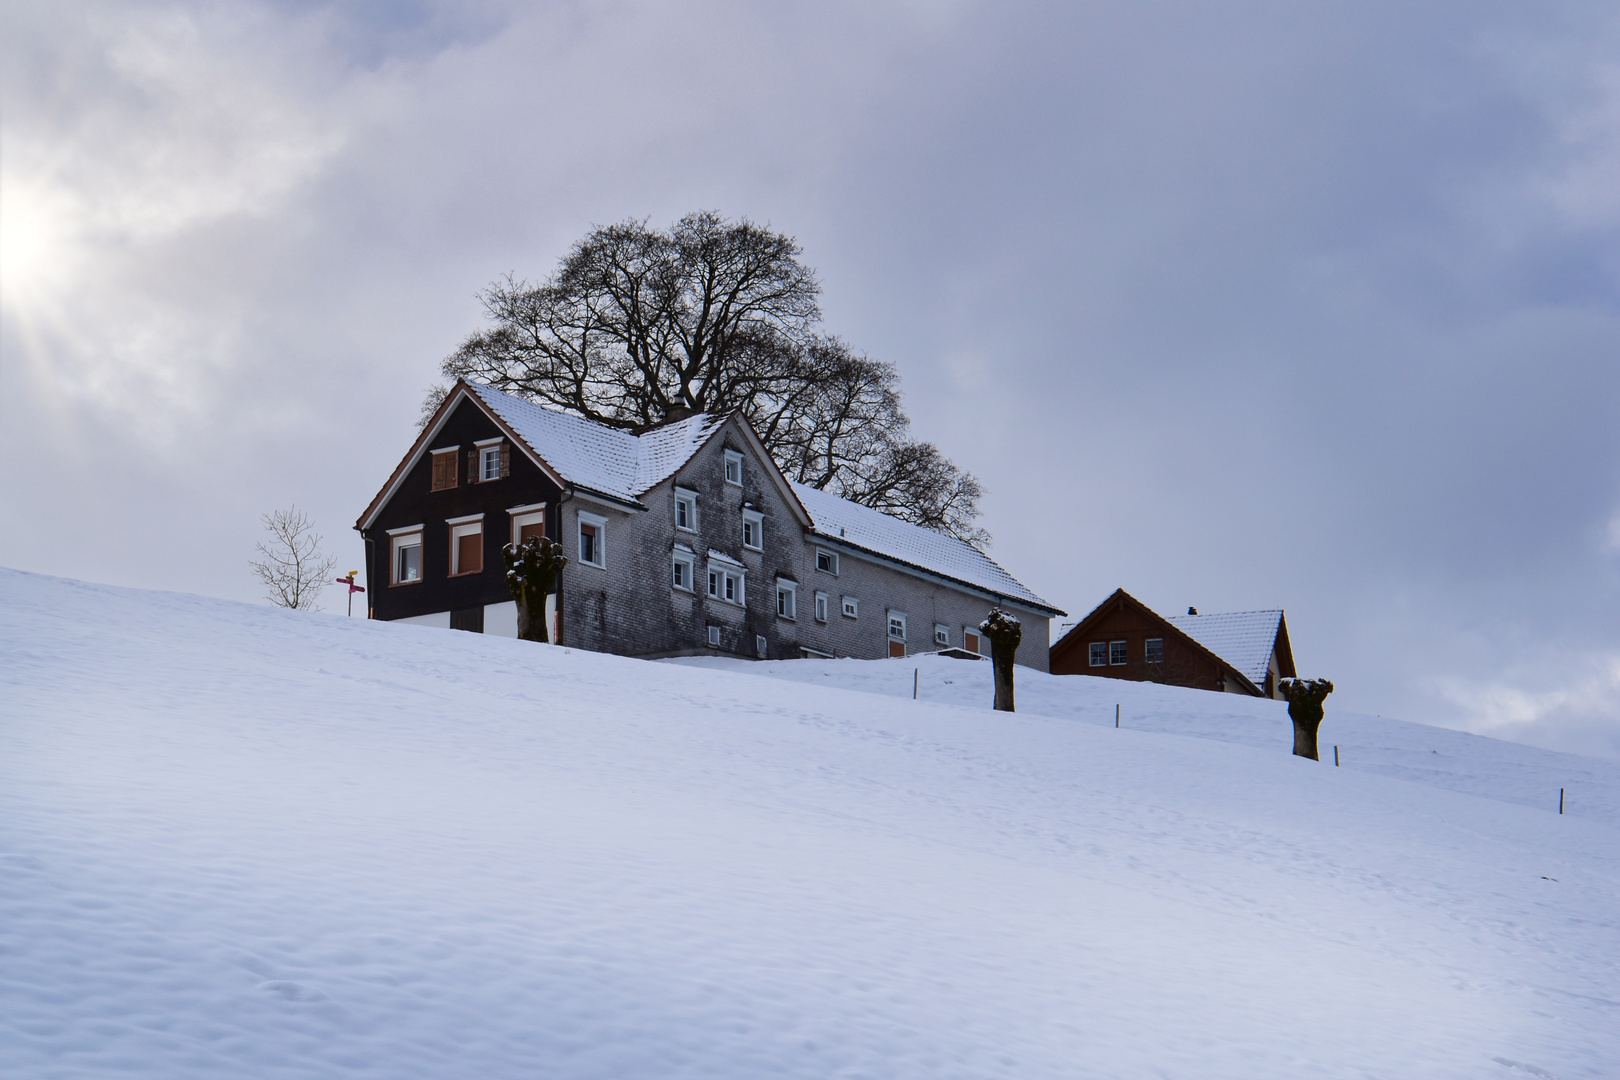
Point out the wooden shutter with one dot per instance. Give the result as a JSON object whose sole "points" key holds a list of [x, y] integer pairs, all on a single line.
{"points": [[506, 459], [442, 464], [897, 648], [474, 474], [470, 553]]}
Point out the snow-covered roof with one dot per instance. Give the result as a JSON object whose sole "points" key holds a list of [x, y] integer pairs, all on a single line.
{"points": [[877, 532], [622, 465], [1244, 639], [599, 458]]}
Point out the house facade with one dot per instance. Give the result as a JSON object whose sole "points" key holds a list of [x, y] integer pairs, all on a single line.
{"points": [[1244, 652], [683, 540]]}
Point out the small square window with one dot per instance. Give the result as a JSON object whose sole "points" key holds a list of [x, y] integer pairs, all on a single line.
{"points": [[489, 458], [823, 603], [852, 607], [787, 600], [826, 561], [942, 635], [1099, 654], [1153, 653], [1118, 652], [897, 626], [734, 462], [685, 509], [753, 529], [714, 636]]}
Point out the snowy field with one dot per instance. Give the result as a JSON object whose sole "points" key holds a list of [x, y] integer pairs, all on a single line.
{"points": [[240, 842]]}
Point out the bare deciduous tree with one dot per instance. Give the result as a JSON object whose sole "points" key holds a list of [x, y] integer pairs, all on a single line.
{"points": [[639, 325], [293, 567]]}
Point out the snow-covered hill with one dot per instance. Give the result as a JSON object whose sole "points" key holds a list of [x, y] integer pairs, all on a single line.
{"points": [[243, 842]]}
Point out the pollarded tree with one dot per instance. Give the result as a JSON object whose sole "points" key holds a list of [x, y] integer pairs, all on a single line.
{"points": [[639, 325]]}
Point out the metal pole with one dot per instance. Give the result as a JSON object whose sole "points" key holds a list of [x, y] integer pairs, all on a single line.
{"points": [[1116, 716]]}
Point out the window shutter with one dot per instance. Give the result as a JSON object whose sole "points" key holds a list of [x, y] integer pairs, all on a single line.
{"points": [[440, 482], [506, 459], [472, 467]]}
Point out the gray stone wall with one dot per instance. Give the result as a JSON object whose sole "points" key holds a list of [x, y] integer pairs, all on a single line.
{"points": [[632, 606]]}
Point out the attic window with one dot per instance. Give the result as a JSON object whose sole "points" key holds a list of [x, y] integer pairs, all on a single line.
{"points": [[733, 467], [444, 468], [685, 509], [1153, 652], [1118, 652], [1099, 654], [493, 460], [753, 530]]}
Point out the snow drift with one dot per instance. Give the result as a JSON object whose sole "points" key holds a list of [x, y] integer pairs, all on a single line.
{"points": [[236, 841]]}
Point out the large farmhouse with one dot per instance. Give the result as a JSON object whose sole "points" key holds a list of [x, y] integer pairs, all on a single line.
{"points": [[1242, 652], [683, 540]]}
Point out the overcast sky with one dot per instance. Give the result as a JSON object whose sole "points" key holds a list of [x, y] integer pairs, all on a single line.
{"points": [[1312, 306]]}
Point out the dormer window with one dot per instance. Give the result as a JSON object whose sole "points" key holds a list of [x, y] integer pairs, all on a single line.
{"points": [[733, 467], [753, 530]]}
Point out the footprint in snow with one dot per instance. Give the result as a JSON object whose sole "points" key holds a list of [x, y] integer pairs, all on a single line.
{"points": [[291, 991]]}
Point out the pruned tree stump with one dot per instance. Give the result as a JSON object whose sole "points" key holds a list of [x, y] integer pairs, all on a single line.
{"points": [[1004, 632], [1305, 697], [531, 573]]}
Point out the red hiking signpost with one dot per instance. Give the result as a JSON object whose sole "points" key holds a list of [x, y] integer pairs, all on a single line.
{"points": [[353, 588]]}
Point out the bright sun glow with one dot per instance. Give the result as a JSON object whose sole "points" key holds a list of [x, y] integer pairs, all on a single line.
{"points": [[36, 241]]}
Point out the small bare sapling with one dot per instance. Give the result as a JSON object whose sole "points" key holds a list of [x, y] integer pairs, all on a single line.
{"points": [[292, 566]]}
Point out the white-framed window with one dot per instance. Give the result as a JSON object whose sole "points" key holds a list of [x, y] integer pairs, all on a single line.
{"points": [[852, 607], [686, 509], [897, 625], [405, 555], [733, 467], [753, 530], [761, 646], [714, 635], [1099, 654], [685, 573], [727, 583], [970, 640], [592, 548], [827, 561], [527, 520], [492, 459], [787, 599], [942, 634], [1119, 652], [823, 605], [1153, 650], [466, 545]]}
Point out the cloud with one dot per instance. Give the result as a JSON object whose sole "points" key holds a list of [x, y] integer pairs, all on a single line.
{"points": [[1580, 713]]}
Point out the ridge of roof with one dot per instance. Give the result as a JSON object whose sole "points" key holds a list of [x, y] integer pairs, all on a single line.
{"points": [[1244, 639]]}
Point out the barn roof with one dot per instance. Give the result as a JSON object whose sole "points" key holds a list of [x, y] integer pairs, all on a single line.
{"points": [[1244, 639]]}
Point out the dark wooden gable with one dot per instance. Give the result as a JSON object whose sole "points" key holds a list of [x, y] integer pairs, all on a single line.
{"points": [[1122, 617]]}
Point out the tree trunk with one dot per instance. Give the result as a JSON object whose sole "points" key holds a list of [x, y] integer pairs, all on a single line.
{"points": [[1004, 632], [531, 574], [1305, 697]]}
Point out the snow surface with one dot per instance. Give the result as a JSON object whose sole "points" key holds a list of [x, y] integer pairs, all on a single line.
{"points": [[236, 841]]}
